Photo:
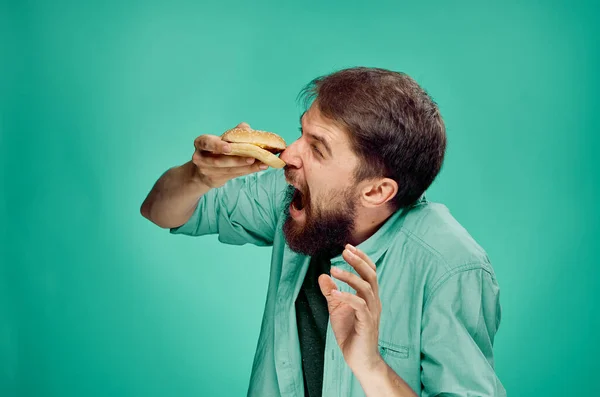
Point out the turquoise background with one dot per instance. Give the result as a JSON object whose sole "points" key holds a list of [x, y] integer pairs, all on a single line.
{"points": [[99, 98]]}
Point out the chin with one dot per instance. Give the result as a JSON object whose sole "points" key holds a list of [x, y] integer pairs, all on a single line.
{"points": [[319, 234]]}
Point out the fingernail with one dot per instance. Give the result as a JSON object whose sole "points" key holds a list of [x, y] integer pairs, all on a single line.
{"points": [[335, 292], [350, 253], [226, 149], [250, 160], [351, 247], [263, 166], [335, 270]]}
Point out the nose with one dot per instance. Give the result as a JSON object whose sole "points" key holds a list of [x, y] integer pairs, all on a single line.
{"points": [[291, 155]]}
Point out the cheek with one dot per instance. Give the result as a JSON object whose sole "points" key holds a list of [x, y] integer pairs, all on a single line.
{"points": [[325, 184], [325, 196]]}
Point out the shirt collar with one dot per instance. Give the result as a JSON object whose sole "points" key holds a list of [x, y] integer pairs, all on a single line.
{"points": [[376, 245]]}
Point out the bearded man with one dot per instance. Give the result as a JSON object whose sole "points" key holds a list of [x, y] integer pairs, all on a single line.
{"points": [[374, 290]]}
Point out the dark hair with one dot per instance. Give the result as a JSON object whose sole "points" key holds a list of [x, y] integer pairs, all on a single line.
{"points": [[394, 126]]}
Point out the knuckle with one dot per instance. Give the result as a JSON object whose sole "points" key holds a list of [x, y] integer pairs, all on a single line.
{"points": [[372, 279], [197, 157], [209, 180], [200, 143]]}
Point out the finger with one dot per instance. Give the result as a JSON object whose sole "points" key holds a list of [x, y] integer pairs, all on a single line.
{"points": [[362, 268], [249, 169], [224, 161], [244, 125], [362, 287], [211, 143], [327, 286], [362, 255], [361, 310]]}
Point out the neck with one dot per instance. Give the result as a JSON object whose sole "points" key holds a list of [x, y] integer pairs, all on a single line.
{"points": [[367, 224]]}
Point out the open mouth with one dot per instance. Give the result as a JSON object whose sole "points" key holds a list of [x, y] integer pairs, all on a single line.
{"points": [[298, 200], [297, 206]]}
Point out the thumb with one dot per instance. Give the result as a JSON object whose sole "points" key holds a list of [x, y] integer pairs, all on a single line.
{"points": [[327, 285]]}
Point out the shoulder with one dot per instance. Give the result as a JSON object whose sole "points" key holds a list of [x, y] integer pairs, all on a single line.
{"points": [[432, 228], [439, 246]]}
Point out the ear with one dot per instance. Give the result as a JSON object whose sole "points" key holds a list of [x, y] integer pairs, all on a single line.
{"points": [[377, 192]]}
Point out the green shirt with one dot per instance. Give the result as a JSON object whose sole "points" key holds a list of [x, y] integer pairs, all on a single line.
{"points": [[439, 294]]}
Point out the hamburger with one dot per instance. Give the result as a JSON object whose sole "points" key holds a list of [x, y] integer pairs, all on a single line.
{"points": [[262, 145]]}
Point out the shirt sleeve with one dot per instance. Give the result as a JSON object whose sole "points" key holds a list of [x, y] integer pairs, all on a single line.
{"points": [[244, 210], [460, 321]]}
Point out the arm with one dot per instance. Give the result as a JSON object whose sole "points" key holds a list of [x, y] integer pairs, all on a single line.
{"points": [[218, 194], [459, 324], [174, 197], [383, 381]]}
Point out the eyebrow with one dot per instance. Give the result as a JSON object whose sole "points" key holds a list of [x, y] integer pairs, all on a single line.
{"points": [[318, 138]]}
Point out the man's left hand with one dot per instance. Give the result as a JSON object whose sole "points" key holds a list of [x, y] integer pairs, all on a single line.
{"points": [[355, 317]]}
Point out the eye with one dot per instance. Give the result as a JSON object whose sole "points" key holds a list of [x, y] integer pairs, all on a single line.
{"points": [[315, 149]]}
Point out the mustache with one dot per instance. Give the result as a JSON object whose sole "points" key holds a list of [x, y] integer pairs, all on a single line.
{"points": [[290, 193], [292, 178]]}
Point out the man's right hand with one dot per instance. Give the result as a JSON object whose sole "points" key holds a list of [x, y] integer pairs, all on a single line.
{"points": [[214, 167]]}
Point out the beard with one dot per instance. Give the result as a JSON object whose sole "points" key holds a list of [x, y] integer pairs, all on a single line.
{"points": [[327, 227]]}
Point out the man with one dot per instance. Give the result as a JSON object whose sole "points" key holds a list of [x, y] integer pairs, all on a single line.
{"points": [[373, 289]]}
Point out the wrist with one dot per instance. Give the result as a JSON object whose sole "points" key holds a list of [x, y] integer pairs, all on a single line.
{"points": [[195, 178], [371, 370], [379, 379]]}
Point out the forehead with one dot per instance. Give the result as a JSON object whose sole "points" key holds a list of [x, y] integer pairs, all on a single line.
{"points": [[314, 122]]}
